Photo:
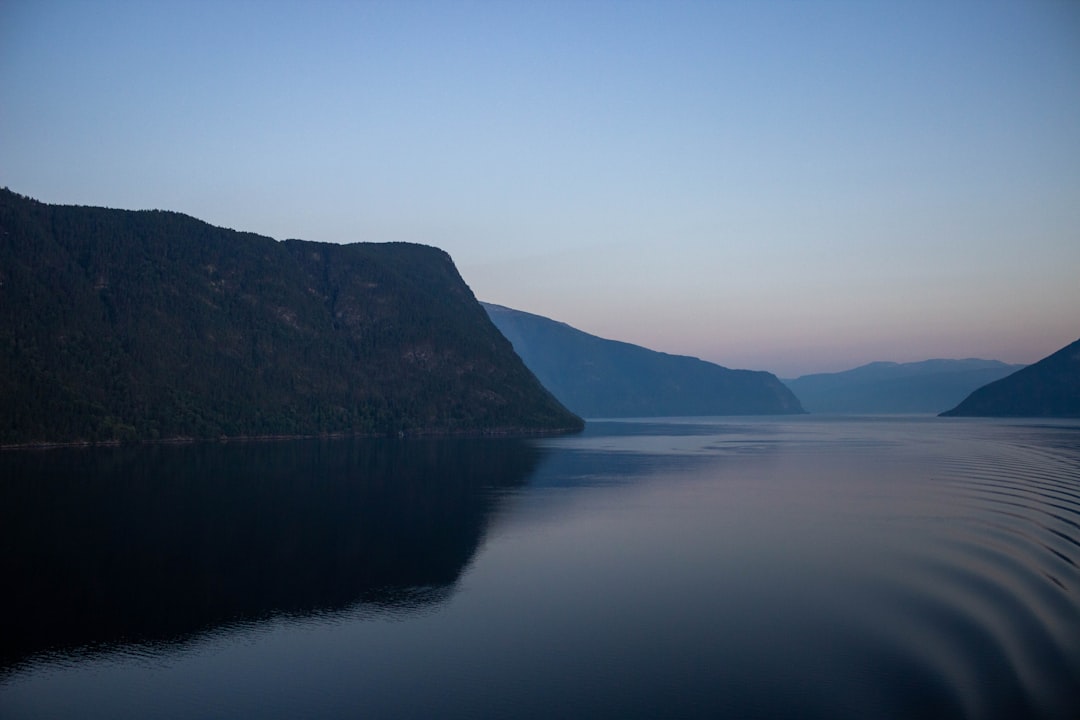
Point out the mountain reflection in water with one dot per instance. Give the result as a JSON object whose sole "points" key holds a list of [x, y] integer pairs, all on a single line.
{"points": [[799, 567], [112, 546]]}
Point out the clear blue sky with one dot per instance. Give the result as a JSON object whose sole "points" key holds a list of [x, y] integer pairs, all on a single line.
{"points": [[789, 186]]}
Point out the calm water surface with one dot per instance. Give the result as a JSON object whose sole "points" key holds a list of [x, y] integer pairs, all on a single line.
{"points": [[708, 567]]}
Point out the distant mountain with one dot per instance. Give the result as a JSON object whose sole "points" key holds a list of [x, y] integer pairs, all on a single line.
{"points": [[887, 387], [123, 325], [1048, 388], [595, 377]]}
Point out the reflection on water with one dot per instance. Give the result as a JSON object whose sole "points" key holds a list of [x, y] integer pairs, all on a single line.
{"points": [[134, 545], [796, 567]]}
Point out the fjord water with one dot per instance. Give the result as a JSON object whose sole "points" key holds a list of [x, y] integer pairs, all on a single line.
{"points": [[705, 567]]}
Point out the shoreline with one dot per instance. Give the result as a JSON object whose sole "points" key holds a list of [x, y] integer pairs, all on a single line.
{"points": [[187, 440]]}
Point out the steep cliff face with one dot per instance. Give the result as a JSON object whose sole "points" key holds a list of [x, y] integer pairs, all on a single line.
{"points": [[1048, 388], [595, 377], [124, 325]]}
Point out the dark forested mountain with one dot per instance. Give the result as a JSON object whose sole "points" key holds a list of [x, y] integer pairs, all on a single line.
{"points": [[929, 386], [119, 325], [604, 378], [1048, 388]]}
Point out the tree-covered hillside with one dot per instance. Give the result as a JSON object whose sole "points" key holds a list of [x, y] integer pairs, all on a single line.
{"points": [[129, 325]]}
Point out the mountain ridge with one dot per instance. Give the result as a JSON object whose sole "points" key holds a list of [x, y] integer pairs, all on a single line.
{"points": [[1047, 388], [121, 325], [597, 377], [926, 386]]}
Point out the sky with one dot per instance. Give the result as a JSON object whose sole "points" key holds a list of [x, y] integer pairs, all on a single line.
{"points": [[792, 186]]}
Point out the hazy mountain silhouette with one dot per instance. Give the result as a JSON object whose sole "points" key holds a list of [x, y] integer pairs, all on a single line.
{"points": [[124, 325], [929, 386], [595, 377], [1048, 388]]}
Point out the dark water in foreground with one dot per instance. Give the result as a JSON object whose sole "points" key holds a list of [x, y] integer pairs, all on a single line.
{"points": [[796, 567]]}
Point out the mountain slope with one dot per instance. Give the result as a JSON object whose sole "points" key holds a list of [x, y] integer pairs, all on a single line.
{"points": [[885, 387], [1048, 388], [142, 325], [595, 377]]}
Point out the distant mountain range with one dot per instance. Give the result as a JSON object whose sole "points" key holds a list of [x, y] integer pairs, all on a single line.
{"points": [[929, 386], [595, 377], [1048, 388], [120, 325]]}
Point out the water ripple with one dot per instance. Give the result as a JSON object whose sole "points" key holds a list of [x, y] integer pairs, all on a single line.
{"points": [[1000, 598]]}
